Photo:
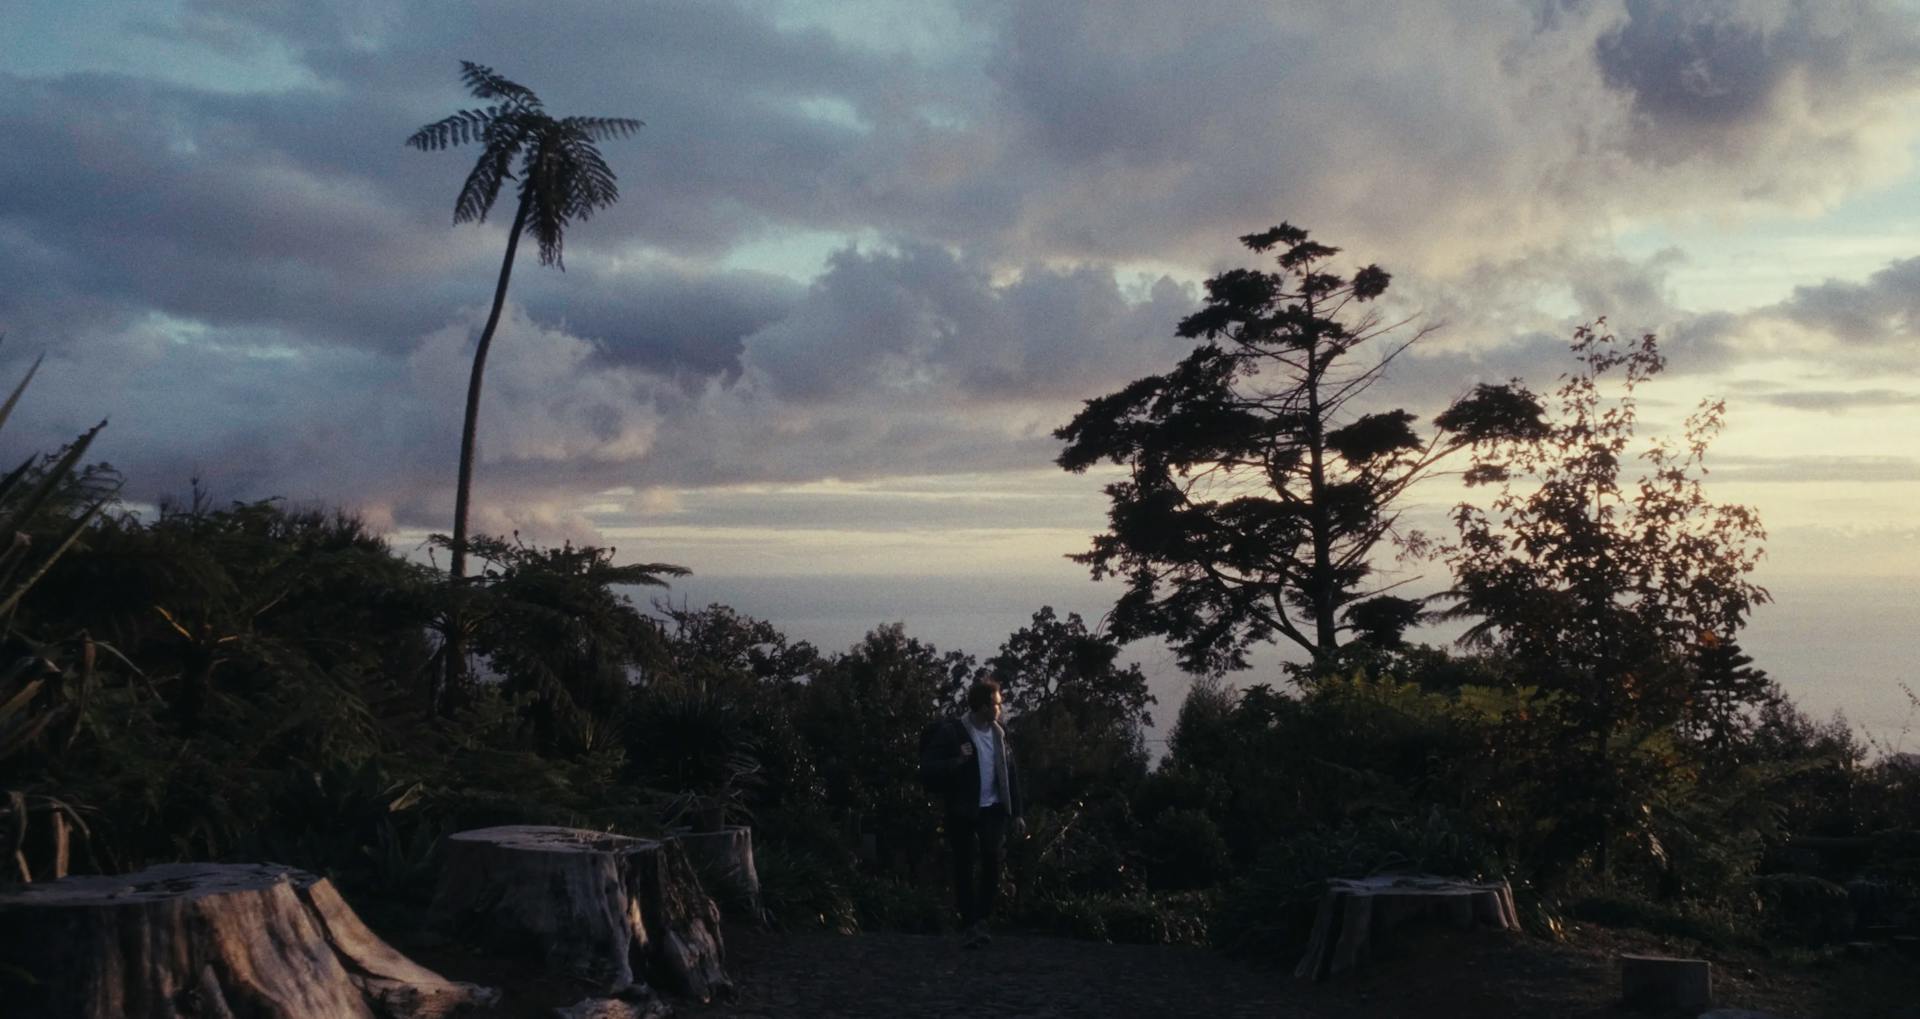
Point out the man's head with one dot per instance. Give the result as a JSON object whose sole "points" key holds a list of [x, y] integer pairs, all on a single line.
{"points": [[983, 701]]}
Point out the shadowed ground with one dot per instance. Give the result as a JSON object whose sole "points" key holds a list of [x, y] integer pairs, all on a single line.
{"points": [[818, 975], [1439, 974]]}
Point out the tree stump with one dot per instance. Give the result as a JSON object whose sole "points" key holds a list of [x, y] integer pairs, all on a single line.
{"points": [[609, 909], [727, 856], [1355, 916], [211, 941], [1656, 981]]}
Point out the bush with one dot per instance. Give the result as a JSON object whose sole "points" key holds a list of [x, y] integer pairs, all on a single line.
{"points": [[1270, 909], [801, 889], [1620, 908], [1140, 919], [886, 903], [1184, 851], [1802, 909], [1087, 849], [1157, 919]]}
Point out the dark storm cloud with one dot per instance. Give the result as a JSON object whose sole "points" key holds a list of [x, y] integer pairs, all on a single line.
{"points": [[1883, 311], [927, 323], [1711, 74], [141, 196], [668, 321], [126, 197]]}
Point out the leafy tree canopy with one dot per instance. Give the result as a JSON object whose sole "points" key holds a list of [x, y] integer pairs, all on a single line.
{"points": [[1605, 579]]}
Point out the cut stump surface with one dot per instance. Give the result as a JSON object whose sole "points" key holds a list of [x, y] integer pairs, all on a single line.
{"points": [[612, 910], [210, 941]]}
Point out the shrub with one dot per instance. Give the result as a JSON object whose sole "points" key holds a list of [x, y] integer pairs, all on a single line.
{"points": [[885, 903], [1184, 850], [801, 889], [1141, 919], [1623, 908], [1270, 909], [1802, 909]]}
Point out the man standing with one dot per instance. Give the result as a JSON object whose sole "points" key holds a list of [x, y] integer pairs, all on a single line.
{"points": [[970, 768]]}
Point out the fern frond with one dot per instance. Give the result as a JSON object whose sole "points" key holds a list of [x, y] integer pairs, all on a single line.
{"points": [[483, 83], [6, 409], [458, 129], [482, 187], [601, 129]]}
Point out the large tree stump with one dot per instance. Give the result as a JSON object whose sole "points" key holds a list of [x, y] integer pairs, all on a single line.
{"points": [[727, 856], [609, 909], [210, 941], [1355, 916], [1658, 981]]}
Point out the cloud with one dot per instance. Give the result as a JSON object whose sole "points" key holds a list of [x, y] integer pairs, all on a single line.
{"points": [[902, 362], [1883, 311], [263, 284], [1797, 94], [1532, 131], [922, 322], [1817, 469], [1841, 329], [1837, 401]]}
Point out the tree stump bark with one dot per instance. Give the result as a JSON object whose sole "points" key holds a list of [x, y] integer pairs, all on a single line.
{"points": [[211, 941], [727, 855], [1355, 916], [609, 909], [1657, 981]]}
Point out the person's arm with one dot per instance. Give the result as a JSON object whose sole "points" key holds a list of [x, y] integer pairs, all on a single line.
{"points": [[942, 757], [1016, 804]]}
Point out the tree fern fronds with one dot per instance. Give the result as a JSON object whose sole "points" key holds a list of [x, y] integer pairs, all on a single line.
{"points": [[483, 83], [6, 409]]}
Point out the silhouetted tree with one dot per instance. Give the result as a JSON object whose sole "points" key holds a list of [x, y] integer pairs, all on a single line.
{"points": [[562, 178], [865, 710], [1076, 714], [863, 714], [1256, 496]]}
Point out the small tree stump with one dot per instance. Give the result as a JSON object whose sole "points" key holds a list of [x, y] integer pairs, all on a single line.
{"points": [[1656, 981], [727, 855], [609, 909], [211, 941], [1355, 916]]}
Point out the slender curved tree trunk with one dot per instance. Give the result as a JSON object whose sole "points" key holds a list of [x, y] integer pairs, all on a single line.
{"points": [[463, 488]]}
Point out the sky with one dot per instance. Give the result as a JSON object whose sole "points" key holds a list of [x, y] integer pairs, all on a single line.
{"points": [[868, 255]]}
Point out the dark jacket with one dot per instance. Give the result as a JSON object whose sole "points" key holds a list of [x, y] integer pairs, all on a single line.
{"points": [[955, 777]]}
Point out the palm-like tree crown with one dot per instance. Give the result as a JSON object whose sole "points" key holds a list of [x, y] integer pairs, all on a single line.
{"points": [[562, 176]]}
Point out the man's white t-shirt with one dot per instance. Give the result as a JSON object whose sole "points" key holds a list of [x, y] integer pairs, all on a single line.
{"points": [[987, 755]]}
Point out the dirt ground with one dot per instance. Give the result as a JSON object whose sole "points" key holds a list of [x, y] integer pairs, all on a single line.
{"points": [[1439, 974]]}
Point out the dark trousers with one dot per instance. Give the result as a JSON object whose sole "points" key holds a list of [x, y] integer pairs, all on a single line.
{"points": [[980, 837]]}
